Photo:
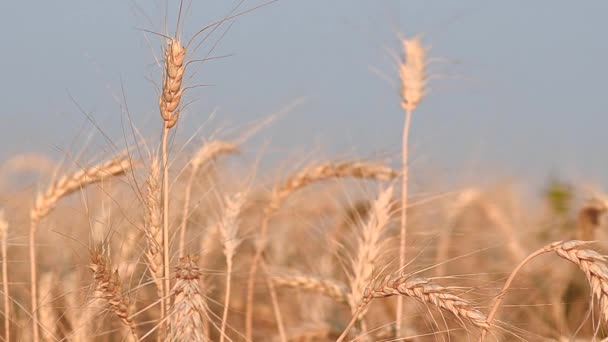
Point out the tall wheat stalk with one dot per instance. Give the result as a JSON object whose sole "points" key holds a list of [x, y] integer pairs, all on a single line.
{"points": [[413, 85], [45, 202], [310, 175], [169, 102], [5, 290]]}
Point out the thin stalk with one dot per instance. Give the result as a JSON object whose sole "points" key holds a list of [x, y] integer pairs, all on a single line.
{"points": [[226, 299], [7, 317], [403, 233], [350, 324], [182, 226], [503, 292], [33, 279], [166, 264]]}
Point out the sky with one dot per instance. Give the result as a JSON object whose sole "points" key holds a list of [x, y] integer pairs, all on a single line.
{"points": [[516, 88]]}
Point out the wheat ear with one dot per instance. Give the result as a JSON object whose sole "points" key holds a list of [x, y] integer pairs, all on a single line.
{"points": [[369, 249], [309, 175], [7, 304], [46, 201], [205, 154], [188, 307], [590, 262], [424, 291], [228, 228], [153, 230], [412, 73], [330, 288], [108, 287], [169, 103]]}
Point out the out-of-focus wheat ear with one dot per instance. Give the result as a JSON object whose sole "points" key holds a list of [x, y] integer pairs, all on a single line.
{"points": [[204, 155], [48, 314], [108, 287], [369, 248], [412, 73], [425, 291], [327, 287], [593, 265], [46, 201], [5, 289], [188, 306], [310, 175], [169, 105], [153, 229], [228, 229]]}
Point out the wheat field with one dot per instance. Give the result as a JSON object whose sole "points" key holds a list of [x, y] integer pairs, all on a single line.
{"points": [[152, 242]]}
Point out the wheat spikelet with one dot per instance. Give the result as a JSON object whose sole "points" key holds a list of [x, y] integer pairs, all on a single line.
{"points": [[413, 74], [188, 306], [7, 303], [46, 201], [108, 287], [425, 291], [172, 82], [369, 249], [330, 288]]}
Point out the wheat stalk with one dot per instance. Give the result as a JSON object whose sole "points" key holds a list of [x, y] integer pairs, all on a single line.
{"points": [[48, 315], [412, 72], [307, 176], [46, 201], [188, 307], [228, 229], [7, 304], [108, 287], [205, 154], [330, 288], [424, 291], [590, 262]]}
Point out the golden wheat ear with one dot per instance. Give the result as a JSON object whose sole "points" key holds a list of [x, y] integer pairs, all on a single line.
{"points": [[188, 311]]}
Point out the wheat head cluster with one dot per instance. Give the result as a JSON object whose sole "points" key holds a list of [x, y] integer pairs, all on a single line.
{"points": [[154, 243]]}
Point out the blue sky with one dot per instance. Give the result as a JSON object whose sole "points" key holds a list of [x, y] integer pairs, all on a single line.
{"points": [[517, 88]]}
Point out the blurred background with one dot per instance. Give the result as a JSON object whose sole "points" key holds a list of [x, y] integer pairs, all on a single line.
{"points": [[517, 88]]}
